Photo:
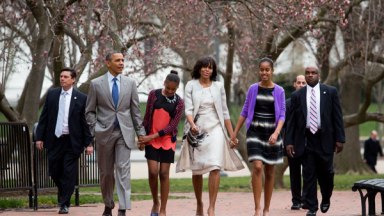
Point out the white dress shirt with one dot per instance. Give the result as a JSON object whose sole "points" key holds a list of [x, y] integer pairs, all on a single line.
{"points": [[66, 110]]}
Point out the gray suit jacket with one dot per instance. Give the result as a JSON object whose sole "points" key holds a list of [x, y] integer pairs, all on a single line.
{"points": [[100, 111]]}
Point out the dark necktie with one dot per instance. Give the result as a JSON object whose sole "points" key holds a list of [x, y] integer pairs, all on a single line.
{"points": [[115, 92]]}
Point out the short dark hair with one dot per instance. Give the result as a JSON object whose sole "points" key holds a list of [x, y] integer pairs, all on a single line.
{"points": [[71, 70], [108, 57], [205, 62], [266, 59], [173, 77]]}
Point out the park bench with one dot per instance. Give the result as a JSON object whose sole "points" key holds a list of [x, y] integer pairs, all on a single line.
{"points": [[372, 187]]}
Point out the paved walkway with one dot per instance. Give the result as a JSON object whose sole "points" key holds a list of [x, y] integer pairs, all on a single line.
{"points": [[343, 203]]}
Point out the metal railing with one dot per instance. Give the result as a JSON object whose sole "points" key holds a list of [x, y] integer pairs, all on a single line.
{"points": [[23, 167], [88, 172], [15, 159]]}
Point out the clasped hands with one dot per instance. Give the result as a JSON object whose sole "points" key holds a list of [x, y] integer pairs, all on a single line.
{"points": [[233, 142], [143, 140]]}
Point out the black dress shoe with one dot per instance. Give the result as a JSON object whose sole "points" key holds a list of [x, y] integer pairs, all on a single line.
{"points": [[304, 206], [107, 211], [324, 206], [311, 213], [63, 209], [296, 206], [121, 212]]}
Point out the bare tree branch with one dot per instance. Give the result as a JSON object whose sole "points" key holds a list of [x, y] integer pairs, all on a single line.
{"points": [[18, 31], [75, 37], [70, 2]]}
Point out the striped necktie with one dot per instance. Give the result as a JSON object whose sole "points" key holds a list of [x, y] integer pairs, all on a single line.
{"points": [[312, 113]]}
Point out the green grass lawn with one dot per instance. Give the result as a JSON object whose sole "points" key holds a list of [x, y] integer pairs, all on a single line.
{"points": [[140, 190], [366, 128]]}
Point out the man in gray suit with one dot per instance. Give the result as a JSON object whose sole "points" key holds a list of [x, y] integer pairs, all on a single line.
{"points": [[113, 114]]}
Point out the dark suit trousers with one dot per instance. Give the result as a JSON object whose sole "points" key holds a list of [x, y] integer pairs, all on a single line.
{"points": [[63, 169], [317, 167], [295, 178], [372, 166]]}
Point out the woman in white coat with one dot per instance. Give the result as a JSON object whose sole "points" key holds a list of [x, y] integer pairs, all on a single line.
{"points": [[207, 147]]}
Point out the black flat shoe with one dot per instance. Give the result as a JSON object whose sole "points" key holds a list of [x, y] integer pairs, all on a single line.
{"points": [[311, 213], [304, 206], [63, 209], [107, 211], [121, 212], [324, 206], [296, 206]]}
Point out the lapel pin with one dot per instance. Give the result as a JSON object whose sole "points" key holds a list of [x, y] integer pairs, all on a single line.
{"points": [[324, 92], [76, 97]]}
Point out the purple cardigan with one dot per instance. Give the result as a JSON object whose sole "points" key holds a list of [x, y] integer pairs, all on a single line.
{"points": [[250, 102]]}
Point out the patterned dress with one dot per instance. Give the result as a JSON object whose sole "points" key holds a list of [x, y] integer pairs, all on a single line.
{"points": [[262, 127], [212, 150]]}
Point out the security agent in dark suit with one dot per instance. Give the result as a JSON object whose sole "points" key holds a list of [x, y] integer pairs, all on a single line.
{"points": [[294, 162], [371, 149], [64, 132], [315, 131]]}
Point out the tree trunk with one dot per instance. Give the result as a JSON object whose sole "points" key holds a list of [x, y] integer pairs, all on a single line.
{"points": [[349, 160], [34, 82], [230, 57], [279, 173]]}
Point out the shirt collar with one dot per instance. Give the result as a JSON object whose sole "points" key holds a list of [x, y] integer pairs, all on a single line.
{"points": [[69, 92], [110, 77], [316, 87]]}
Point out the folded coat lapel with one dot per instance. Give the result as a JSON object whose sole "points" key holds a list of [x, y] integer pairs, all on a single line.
{"points": [[73, 101], [56, 98], [107, 92], [196, 97], [123, 89], [323, 98], [303, 101]]}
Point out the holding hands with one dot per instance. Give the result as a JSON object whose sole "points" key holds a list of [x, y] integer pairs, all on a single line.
{"points": [[144, 140], [234, 141], [141, 144]]}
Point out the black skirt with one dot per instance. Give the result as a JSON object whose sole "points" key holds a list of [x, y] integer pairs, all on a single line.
{"points": [[159, 155]]}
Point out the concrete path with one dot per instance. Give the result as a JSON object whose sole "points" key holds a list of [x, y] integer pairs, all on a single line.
{"points": [[343, 203]]}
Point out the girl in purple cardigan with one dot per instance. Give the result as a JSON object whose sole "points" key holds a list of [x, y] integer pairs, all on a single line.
{"points": [[264, 114]]}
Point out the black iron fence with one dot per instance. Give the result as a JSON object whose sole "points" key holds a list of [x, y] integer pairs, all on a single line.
{"points": [[18, 154], [15, 159]]}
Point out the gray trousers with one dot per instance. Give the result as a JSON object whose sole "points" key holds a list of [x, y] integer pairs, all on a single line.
{"points": [[115, 167]]}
